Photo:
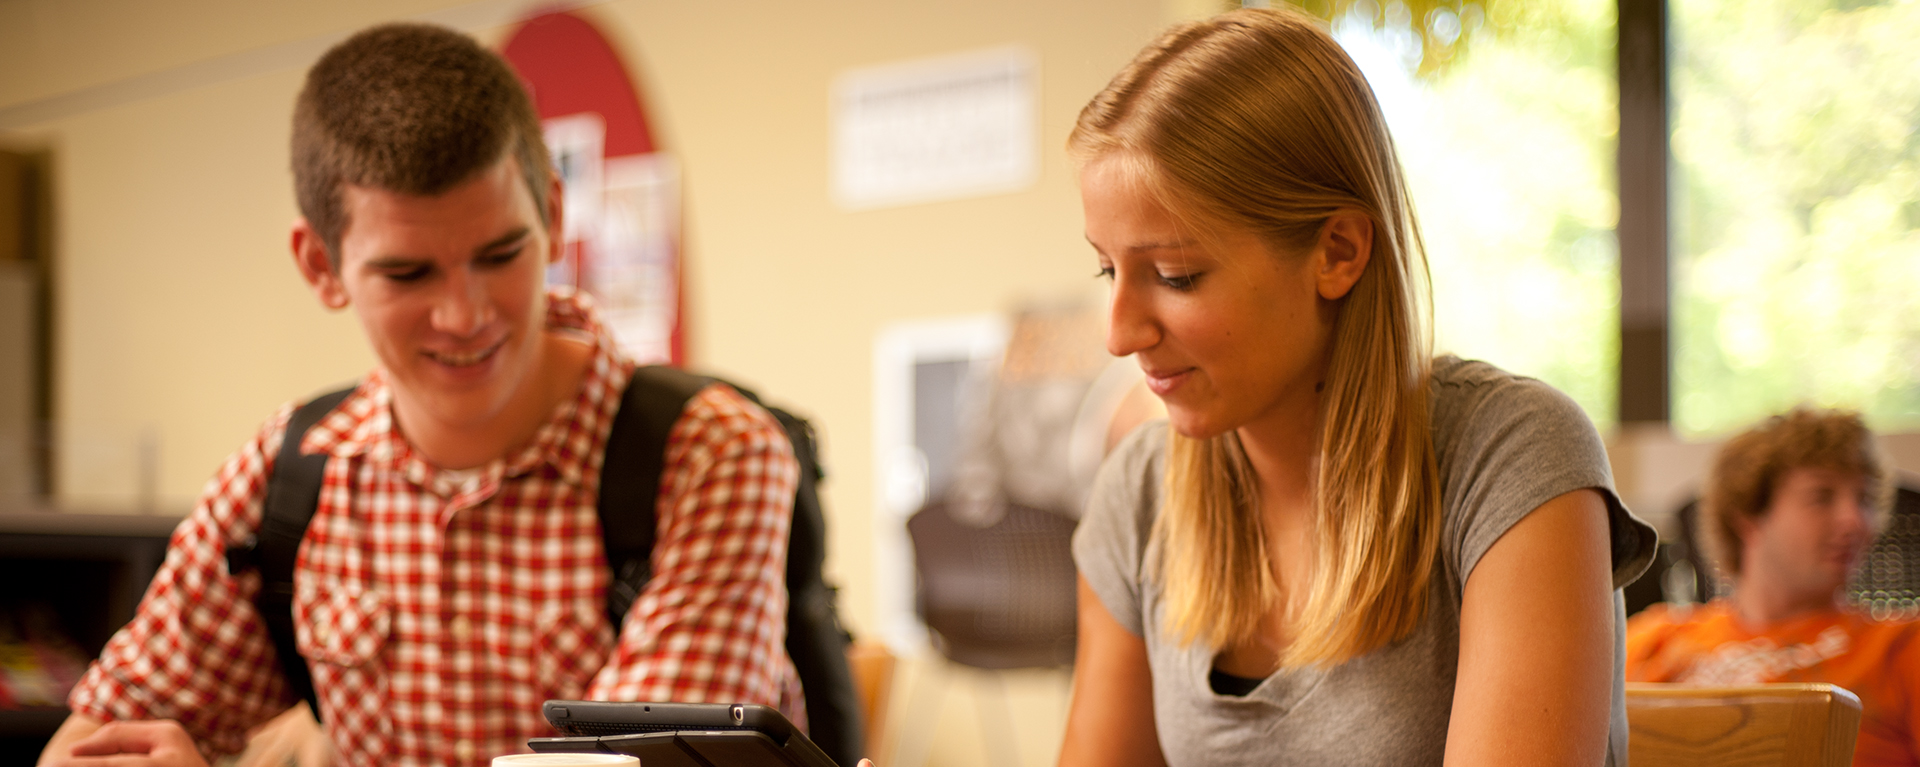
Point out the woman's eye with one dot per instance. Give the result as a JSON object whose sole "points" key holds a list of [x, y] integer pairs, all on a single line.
{"points": [[407, 275], [1105, 273], [1180, 281]]}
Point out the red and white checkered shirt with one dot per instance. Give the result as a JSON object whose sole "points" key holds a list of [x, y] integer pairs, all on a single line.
{"points": [[438, 611]]}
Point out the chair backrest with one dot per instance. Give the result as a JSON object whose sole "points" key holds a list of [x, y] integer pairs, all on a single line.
{"points": [[1789, 725], [1888, 583], [1000, 596]]}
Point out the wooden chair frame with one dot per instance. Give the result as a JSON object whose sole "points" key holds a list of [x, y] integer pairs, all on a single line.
{"points": [[1789, 725]]}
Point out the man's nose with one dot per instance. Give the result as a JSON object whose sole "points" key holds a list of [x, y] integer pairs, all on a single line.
{"points": [[1131, 326], [462, 308], [1855, 516]]}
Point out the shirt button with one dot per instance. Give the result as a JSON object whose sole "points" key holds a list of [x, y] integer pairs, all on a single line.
{"points": [[463, 749], [461, 628]]}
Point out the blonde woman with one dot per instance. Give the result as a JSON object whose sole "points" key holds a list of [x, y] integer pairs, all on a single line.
{"points": [[1336, 550]]}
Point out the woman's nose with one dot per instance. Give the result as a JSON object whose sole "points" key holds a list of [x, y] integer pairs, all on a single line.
{"points": [[1131, 326]]}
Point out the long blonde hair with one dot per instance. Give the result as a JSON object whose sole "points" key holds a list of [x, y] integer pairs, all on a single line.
{"points": [[1257, 119]]}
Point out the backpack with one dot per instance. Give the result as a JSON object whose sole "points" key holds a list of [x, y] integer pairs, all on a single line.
{"points": [[636, 446]]}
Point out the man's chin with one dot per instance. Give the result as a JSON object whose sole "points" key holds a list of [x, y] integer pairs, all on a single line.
{"points": [[459, 404]]}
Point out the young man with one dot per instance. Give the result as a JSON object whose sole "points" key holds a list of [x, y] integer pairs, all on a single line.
{"points": [[452, 577], [1789, 510]]}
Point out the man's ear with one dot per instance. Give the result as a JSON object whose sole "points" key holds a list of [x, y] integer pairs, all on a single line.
{"points": [[316, 266], [556, 218], [1341, 254]]}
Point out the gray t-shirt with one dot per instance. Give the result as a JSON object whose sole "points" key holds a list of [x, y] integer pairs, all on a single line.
{"points": [[1505, 445]]}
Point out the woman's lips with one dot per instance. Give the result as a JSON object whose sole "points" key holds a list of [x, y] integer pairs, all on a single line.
{"points": [[1163, 383]]}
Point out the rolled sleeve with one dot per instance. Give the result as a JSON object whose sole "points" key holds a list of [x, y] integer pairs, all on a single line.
{"points": [[1508, 444]]}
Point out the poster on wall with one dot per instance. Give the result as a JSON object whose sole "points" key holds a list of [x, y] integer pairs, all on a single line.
{"points": [[638, 268], [621, 195], [943, 128]]}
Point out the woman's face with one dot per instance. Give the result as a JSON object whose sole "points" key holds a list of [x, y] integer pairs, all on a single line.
{"points": [[1230, 333]]}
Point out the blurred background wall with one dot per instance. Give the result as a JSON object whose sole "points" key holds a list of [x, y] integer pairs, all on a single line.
{"points": [[158, 133], [180, 323]]}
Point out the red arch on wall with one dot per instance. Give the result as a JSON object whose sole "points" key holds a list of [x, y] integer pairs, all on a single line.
{"points": [[570, 68]]}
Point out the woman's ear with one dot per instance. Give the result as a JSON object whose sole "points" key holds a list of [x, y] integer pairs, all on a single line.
{"points": [[1342, 252], [310, 256]]}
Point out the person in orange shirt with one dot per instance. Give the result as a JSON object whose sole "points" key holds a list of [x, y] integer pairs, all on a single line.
{"points": [[1789, 511]]}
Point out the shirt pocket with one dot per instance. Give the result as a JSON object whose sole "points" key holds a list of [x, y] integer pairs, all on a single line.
{"points": [[571, 646], [342, 632]]}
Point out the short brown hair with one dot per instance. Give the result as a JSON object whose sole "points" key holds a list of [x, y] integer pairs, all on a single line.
{"points": [[1750, 467], [409, 108]]}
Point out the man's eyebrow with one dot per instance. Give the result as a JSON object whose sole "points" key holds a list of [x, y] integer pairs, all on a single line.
{"points": [[397, 262], [518, 233], [409, 262]]}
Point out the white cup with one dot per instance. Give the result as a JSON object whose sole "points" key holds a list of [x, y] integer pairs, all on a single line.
{"points": [[566, 760]]}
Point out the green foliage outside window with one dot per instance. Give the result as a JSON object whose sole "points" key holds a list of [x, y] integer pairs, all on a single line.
{"points": [[1796, 210], [1796, 194], [1508, 142]]}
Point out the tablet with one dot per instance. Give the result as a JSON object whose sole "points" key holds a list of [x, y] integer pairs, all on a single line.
{"points": [[681, 734]]}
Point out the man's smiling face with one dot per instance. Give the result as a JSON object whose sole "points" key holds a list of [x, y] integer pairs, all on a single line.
{"points": [[451, 290]]}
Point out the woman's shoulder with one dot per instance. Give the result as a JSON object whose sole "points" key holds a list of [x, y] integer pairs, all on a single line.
{"points": [[1477, 406], [1504, 445], [1129, 479], [1146, 444], [1463, 388], [1110, 545]]}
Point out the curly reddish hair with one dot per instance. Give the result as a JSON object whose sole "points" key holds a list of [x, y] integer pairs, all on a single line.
{"points": [[1751, 466]]}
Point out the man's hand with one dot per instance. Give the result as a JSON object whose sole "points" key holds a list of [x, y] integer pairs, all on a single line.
{"points": [[161, 743]]}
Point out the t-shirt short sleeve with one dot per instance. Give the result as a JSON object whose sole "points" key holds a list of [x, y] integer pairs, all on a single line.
{"points": [[1110, 544], [1507, 444]]}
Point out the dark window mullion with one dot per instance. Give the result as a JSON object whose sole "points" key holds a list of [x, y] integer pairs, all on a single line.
{"points": [[1644, 164]]}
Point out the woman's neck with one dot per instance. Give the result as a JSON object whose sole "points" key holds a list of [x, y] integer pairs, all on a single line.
{"points": [[1282, 447]]}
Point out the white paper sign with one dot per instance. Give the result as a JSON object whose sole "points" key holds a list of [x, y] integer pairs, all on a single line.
{"points": [[636, 274], [936, 129]]}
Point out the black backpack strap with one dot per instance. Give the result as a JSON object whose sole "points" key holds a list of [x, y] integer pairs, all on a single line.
{"points": [[293, 493], [816, 641], [655, 398], [630, 477]]}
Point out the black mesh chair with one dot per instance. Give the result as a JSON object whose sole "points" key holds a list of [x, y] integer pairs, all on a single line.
{"points": [[1888, 584], [994, 598], [997, 597], [1680, 571]]}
